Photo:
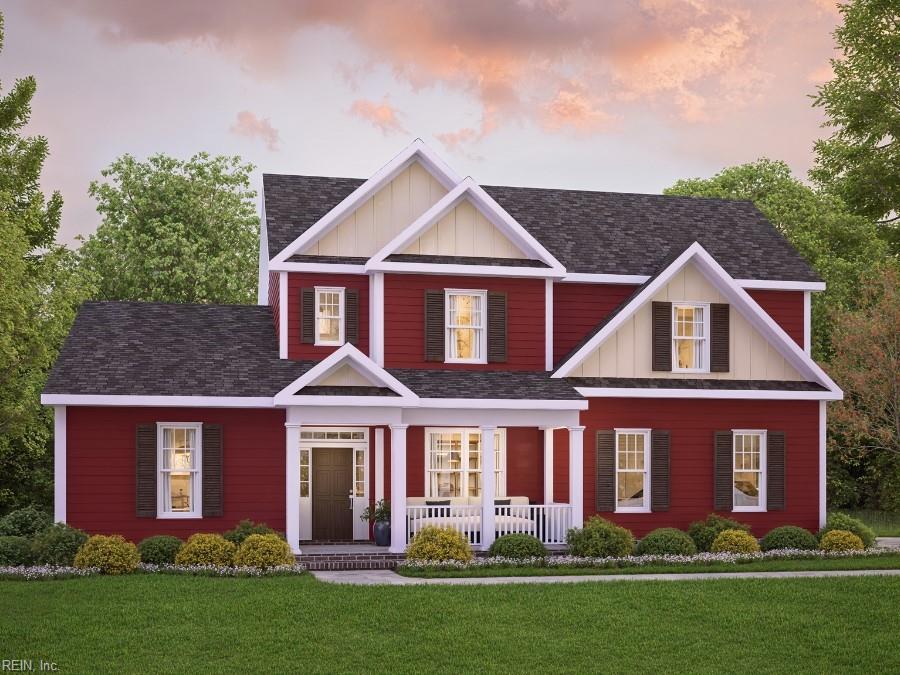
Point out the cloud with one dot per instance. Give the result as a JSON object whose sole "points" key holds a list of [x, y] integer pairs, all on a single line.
{"points": [[575, 107], [249, 125], [383, 116]]}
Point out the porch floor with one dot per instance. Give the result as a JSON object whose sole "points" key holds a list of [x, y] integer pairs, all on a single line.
{"points": [[362, 547]]}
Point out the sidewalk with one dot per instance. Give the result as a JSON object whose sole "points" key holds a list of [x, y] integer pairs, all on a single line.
{"points": [[388, 577]]}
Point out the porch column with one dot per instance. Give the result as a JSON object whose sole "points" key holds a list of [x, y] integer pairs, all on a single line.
{"points": [[398, 488], [576, 474], [292, 487], [548, 464], [379, 464], [488, 486]]}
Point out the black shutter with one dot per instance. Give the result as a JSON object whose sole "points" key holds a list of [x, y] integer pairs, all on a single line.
{"points": [[351, 316], [661, 319], [776, 451], [659, 470], [496, 327], [145, 471], [724, 467], [606, 470], [434, 325], [308, 315], [213, 498], [719, 329]]}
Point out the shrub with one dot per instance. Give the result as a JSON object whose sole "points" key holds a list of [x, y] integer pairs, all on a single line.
{"points": [[841, 540], [57, 545], [160, 550], [735, 541], [704, 532], [206, 549], [600, 538], [15, 551], [518, 546], [841, 521], [264, 550], [25, 522], [789, 536], [244, 529], [110, 554], [439, 543], [666, 541]]}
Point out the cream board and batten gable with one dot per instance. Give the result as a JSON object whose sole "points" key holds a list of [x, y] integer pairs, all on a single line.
{"points": [[627, 352]]}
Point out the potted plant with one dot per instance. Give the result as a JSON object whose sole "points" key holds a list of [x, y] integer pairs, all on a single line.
{"points": [[381, 514]]}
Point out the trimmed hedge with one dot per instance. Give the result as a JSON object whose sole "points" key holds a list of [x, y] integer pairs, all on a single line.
{"points": [[789, 536], [25, 522], [599, 538], [15, 551], [841, 540], [841, 521], [264, 550], [206, 549], [704, 532], [666, 541], [160, 550], [57, 545], [110, 554], [439, 543], [244, 529], [517, 546], [734, 541]]}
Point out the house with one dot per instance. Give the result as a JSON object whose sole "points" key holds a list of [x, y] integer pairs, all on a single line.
{"points": [[642, 357]]}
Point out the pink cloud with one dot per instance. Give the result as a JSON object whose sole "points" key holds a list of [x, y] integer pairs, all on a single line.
{"points": [[251, 126], [383, 116]]}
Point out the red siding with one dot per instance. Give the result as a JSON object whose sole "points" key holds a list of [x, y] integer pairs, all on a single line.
{"points": [[692, 424], [100, 469], [274, 299], [298, 280], [404, 320], [578, 308], [786, 307]]}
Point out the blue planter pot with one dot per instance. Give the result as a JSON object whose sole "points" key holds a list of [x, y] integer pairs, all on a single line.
{"points": [[382, 532]]}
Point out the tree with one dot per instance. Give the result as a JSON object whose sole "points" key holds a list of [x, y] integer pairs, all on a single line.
{"points": [[838, 244], [174, 231], [865, 426], [38, 296], [860, 161]]}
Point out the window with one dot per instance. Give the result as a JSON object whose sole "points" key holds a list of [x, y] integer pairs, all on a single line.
{"points": [[690, 332], [329, 316], [749, 470], [453, 463], [466, 336], [632, 470], [178, 462], [304, 472], [359, 473]]}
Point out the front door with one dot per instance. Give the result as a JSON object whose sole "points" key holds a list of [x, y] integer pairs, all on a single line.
{"points": [[332, 512]]}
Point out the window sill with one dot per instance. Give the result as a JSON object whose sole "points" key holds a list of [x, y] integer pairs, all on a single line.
{"points": [[476, 361], [748, 509], [327, 344], [694, 371], [178, 516], [632, 509]]}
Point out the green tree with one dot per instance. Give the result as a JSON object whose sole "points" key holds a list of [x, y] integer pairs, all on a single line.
{"points": [[39, 292], [174, 231], [838, 244], [860, 161]]}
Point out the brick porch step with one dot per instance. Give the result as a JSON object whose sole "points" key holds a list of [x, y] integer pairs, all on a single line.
{"points": [[374, 560]]}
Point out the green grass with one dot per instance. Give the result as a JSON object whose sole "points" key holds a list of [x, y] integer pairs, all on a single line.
{"points": [[885, 523], [891, 561], [158, 623]]}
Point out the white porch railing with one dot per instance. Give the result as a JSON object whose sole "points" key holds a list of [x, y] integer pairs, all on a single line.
{"points": [[547, 522]]}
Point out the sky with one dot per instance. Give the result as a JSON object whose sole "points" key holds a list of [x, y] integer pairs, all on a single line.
{"points": [[620, 95]]}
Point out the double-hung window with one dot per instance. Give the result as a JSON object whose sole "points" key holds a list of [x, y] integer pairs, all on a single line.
{"points": [[632, 470], [329, 316], [466, 338], [690, 337], [749, 470], [453, 463], [179, 467]]}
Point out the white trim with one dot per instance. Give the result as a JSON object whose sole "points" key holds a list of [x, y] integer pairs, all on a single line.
{"points": [[398, 488], [379, 463], [325, 268], [340, 290], [282, 315], [502, 403], [591, 278], [807, 322], [415, 151], [765, 284], [646, 472], [759, 284], [376, 317], [319, 401], [576, 474], [463, 270], [763, 475], [823, 465], [159, 401], [763, 394], [59, 464], [196, 496], [738, 297], [548, 464], [548, 325], [487, 445], [480, 330], [706, 338]]}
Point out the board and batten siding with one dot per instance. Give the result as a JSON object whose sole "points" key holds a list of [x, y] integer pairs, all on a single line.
{"points": [[627, 353], [100, 469], [383, 216], [785, 307], [579, 308], [404, 320], [300, 280]]}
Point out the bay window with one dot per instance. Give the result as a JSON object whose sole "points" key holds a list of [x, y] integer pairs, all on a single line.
{"points": [[465, 326], [179, 467], [749, 470], [632, 470], [690, 337], [453, 463]]}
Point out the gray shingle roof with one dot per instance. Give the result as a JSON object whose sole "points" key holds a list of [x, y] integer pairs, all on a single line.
{"points": [[589, 232], [663, 383], [505, 384]]}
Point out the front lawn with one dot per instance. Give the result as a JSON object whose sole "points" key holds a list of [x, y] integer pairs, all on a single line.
{"points": [[160, 623]]}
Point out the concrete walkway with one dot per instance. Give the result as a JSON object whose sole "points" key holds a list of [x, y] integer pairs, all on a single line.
{"points": [[887, 542], [390, 578]]}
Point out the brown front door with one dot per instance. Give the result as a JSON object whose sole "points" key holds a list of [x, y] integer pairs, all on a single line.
{"points": [[332, 483]]}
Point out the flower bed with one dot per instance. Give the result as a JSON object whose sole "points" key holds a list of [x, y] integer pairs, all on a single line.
{"points": [[42, 572]]}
